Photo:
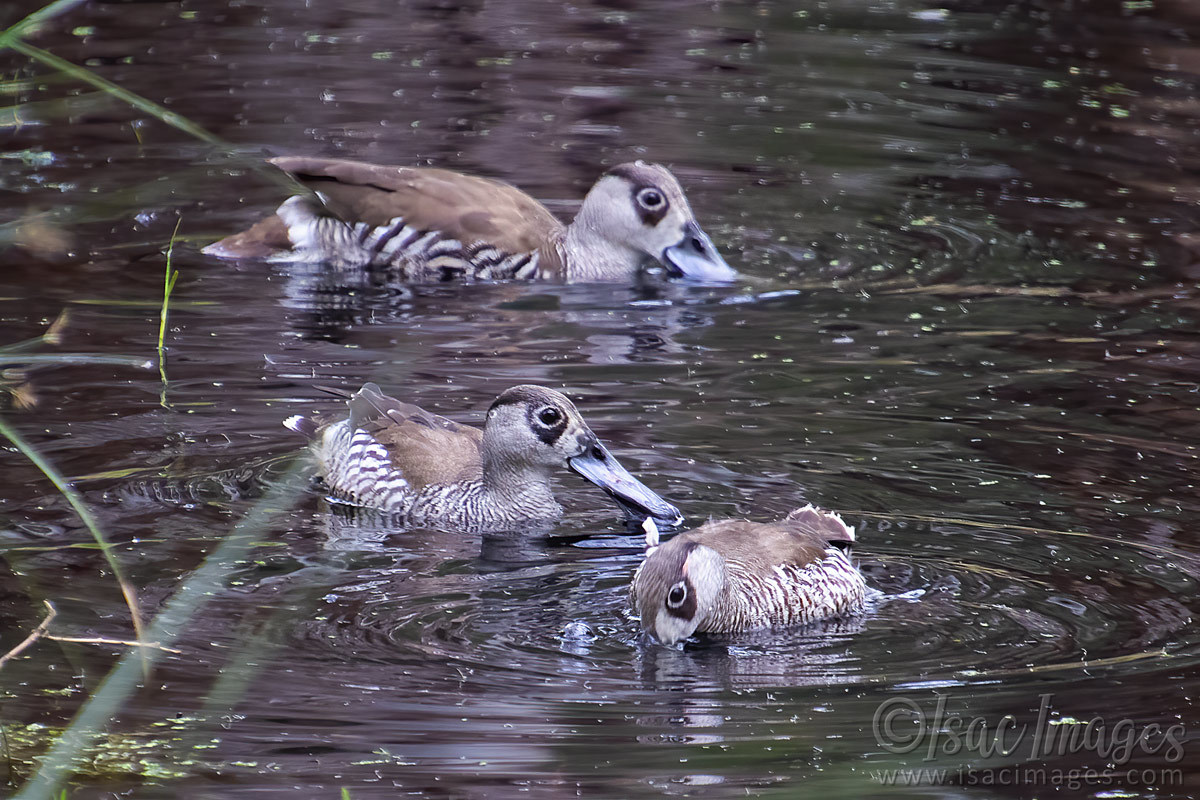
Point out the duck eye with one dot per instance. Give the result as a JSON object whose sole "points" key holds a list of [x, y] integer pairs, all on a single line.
{"points": [[677, 595], [650, 199], [549, 416]]}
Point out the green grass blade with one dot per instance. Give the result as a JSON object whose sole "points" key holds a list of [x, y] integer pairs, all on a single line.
{"points": [[11, 38], [46, 12], [122, 681], [85, 514], [26, 359], [53, 335], [59, 110], [137, 101], [168, 285]]}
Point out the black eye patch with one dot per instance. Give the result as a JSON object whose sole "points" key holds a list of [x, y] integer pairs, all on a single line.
{"points": [[649, 212], [548, 426], [686, 609]]}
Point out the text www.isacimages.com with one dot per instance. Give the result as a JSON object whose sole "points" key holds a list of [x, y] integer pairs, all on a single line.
{"points": [[1027, 776]]}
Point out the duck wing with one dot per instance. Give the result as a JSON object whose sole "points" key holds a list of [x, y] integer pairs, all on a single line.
{"points": [[799, 539], [463, 207], [427, 449]]}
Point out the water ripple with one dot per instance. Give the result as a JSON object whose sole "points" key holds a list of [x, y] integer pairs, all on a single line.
{"points": [[953, 604]]}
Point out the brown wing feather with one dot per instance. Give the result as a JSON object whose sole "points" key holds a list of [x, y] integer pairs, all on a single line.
{"points": [[426, 448], [763, 545], [468, 208]]}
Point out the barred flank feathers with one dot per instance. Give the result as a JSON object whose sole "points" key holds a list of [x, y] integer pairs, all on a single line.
{"points": [[789, 594], [416, 253]]}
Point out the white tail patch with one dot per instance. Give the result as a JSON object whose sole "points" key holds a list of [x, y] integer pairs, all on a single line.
{"points": [[300, 220], [305, 426]]}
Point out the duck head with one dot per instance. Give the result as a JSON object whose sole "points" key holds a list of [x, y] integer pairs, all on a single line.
{"points": [[638, 212], [539, 429], [676, 588]]}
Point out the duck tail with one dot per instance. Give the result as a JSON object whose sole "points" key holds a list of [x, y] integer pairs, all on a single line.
{"points": [[305, 426], [827, 523]]}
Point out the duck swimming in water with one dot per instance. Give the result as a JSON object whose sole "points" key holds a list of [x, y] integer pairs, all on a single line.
{"points": [[735, 575], [434, 225], [396, 457]]}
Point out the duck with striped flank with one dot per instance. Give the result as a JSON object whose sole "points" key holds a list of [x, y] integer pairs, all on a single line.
{"points": [[398, 458], [734, 576], [432, 225]]}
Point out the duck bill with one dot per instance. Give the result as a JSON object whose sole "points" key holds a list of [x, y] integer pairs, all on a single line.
{"points": [[695, 257], [597, 465]]}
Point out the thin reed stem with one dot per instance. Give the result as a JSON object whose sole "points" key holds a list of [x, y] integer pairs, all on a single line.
{"points": [[49, 11], [204, 583], [168, 285], [85, 514], [34, 635], [137, 101]]}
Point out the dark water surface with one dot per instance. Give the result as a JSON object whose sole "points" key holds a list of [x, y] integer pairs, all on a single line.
{"points": [[967, 321]]}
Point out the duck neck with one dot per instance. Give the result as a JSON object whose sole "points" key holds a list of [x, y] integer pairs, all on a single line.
{"points": [[729, 605], [522, 491], [589, 256]]}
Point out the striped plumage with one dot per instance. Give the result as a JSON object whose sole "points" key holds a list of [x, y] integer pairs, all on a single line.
{"points": [[422, 256], [398, 458], [427, 224], [733, 576]]}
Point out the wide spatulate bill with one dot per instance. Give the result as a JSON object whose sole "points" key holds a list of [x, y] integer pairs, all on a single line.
{"points": [[599, 466]]}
